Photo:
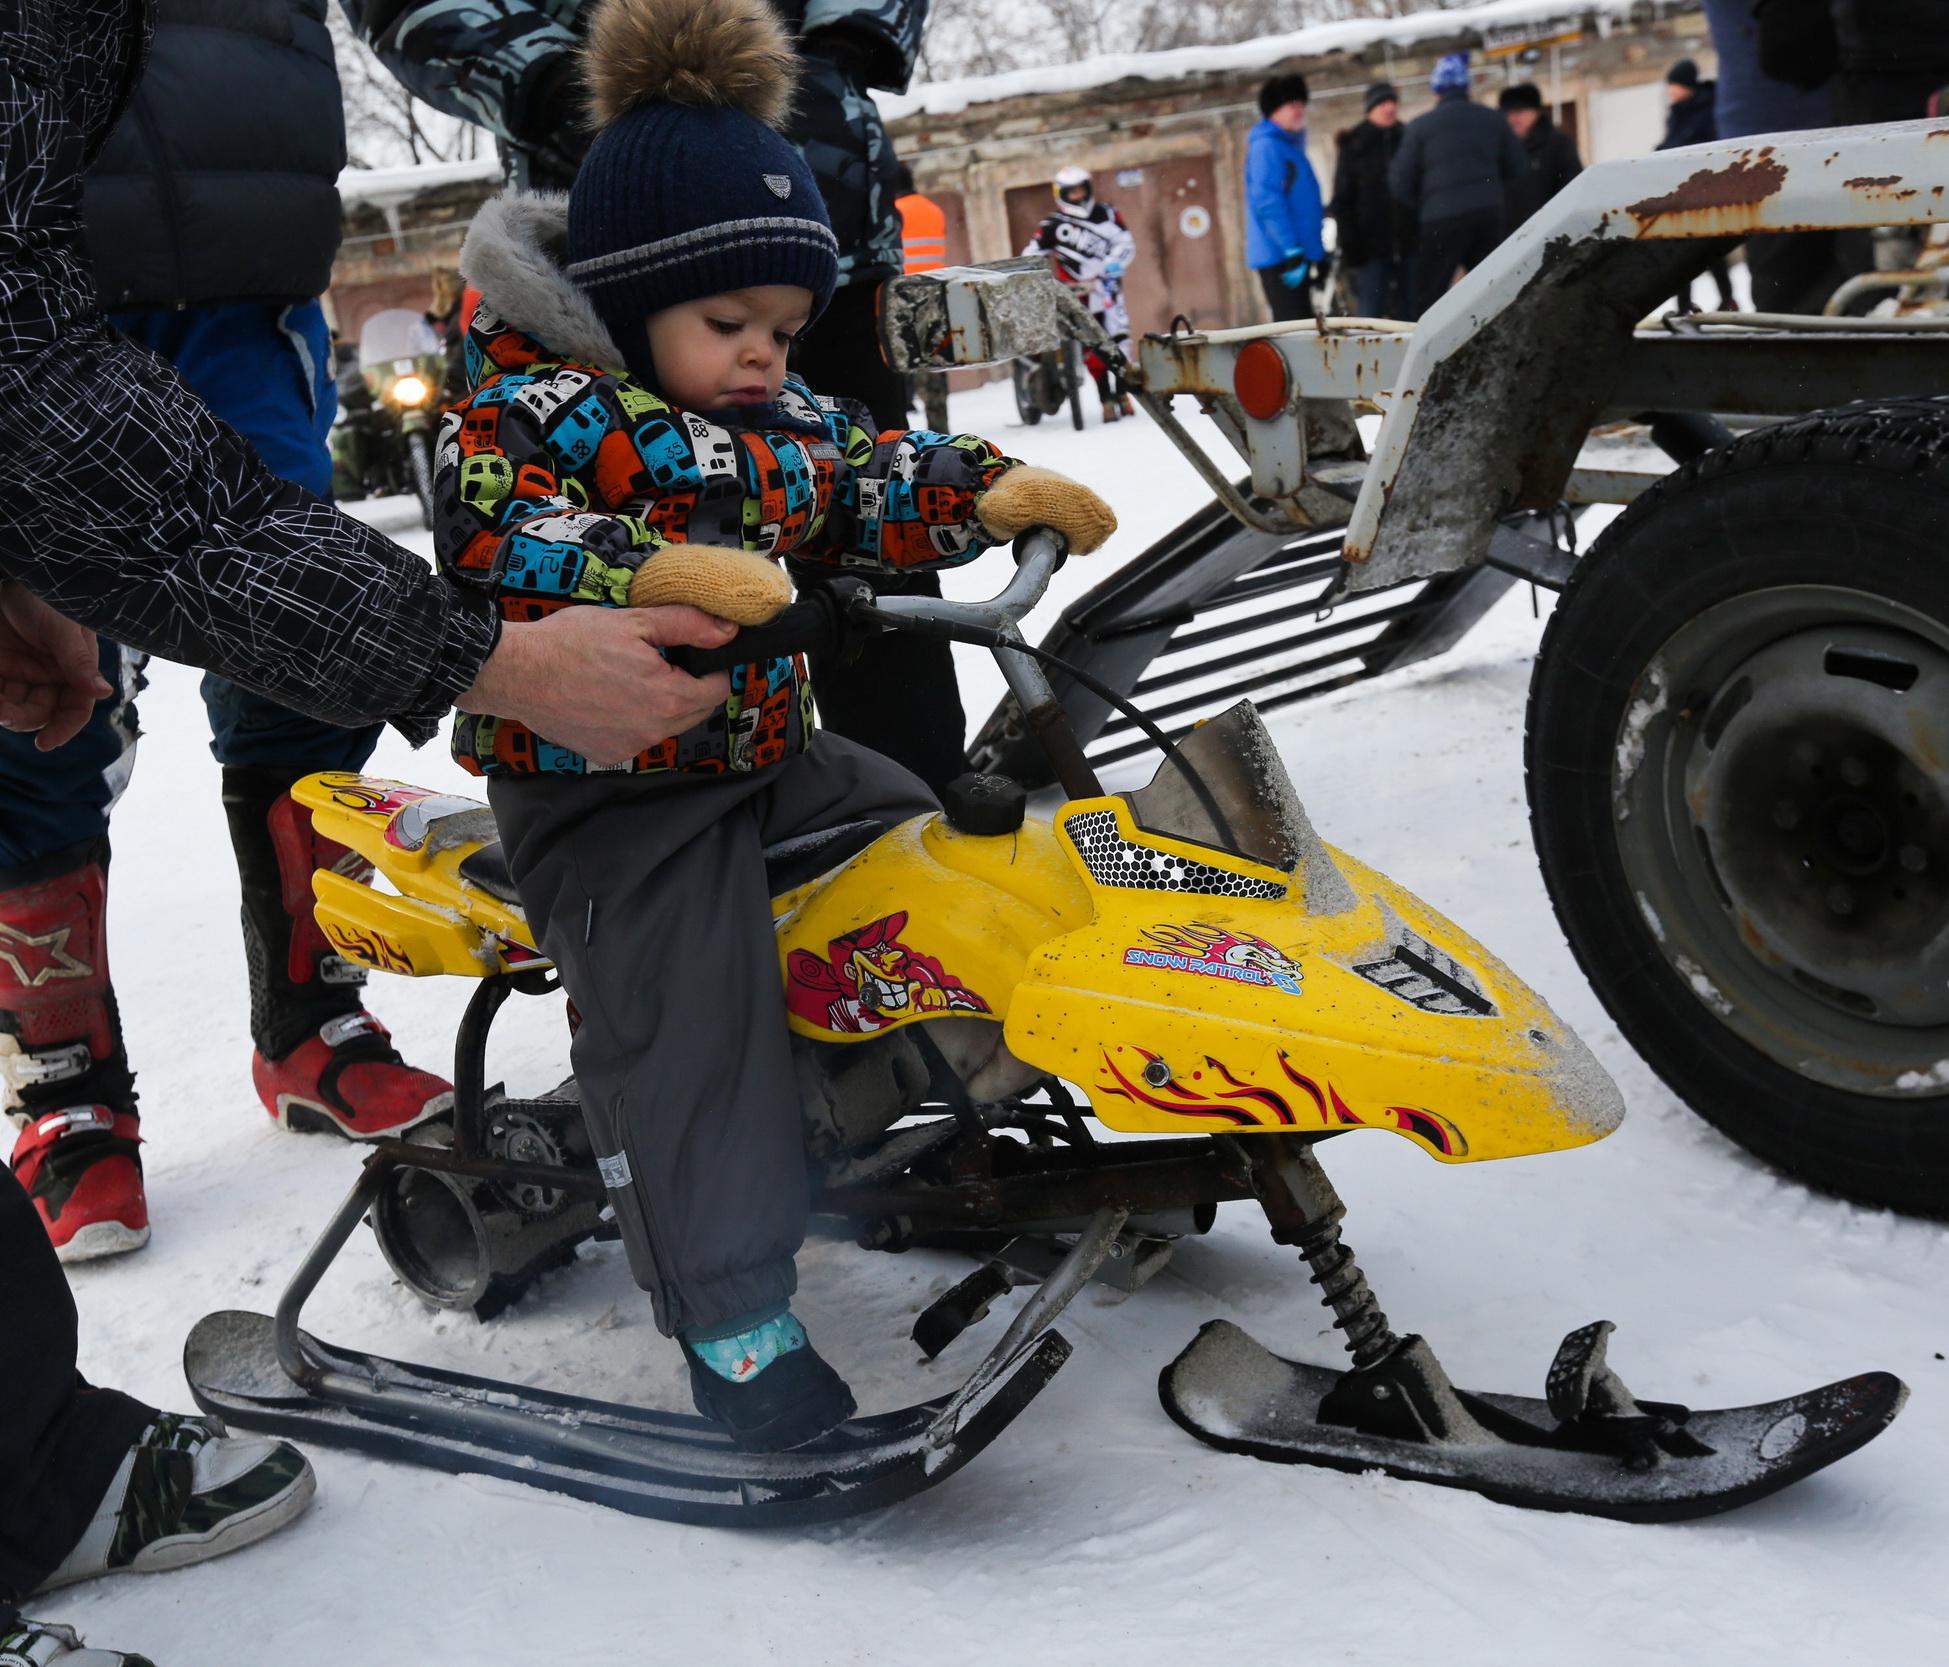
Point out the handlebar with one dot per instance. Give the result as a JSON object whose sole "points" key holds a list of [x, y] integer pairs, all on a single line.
{"points": [[827, 618], [815, 624]]}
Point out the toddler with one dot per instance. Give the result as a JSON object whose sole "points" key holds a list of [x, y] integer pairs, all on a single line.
{"points": [[631, 437]]}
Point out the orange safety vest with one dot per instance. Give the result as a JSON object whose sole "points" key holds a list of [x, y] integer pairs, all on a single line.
{"points": [[923, 233]]}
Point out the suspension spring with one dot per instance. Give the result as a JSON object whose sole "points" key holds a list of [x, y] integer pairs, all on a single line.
{"points": [[1344, 1289]]}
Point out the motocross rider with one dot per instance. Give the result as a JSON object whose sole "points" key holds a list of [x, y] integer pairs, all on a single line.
{"points": [[1089, 245]]}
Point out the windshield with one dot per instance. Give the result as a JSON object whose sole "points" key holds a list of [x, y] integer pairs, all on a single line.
{"points": [[1247, 808], [395, 333]]}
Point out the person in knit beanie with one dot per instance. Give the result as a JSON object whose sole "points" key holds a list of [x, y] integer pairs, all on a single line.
{"points": [[631, 438], [1452, 173]]}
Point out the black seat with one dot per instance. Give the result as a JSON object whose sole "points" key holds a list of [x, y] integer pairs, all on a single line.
{"points": [[488, 869], [792, 862], [788, 864]]}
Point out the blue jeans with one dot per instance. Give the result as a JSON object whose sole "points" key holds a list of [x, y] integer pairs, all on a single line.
{"points": [[1382, 288], [266, 371]]}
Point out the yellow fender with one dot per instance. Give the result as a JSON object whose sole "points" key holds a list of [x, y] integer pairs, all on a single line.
{"points": [[440, 923], [1222, 1006]]}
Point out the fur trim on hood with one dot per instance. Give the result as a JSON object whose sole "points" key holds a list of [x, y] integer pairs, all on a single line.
{"points": [[512, 255], [694, 52]]}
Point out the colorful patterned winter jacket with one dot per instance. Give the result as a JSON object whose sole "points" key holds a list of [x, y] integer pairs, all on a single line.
{"points": [[559, 477]]}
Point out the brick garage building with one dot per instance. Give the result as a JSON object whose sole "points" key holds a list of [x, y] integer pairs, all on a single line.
{"points": [[1164, 133]]}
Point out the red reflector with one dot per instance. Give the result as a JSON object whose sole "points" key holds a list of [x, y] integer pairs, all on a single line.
{"points": [[1260, 380]]}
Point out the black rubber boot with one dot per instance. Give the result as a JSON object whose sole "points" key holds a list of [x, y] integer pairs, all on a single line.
{"points": [[297, 981], [796, 1399]]}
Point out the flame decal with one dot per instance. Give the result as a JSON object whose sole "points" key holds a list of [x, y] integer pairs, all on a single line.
{"points": [[1229, 1103], [1181, 1103], [1429, 1127], [1245, 1091]]}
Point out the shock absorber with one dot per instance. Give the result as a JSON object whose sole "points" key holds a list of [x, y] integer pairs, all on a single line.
{"points": [[1305, 1211]]}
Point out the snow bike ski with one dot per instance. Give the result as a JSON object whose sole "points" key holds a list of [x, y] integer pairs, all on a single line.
{"points": [[1190, 954]]}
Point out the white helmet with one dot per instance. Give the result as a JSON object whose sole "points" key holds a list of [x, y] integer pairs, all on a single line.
{"points": [[1072, 190]]}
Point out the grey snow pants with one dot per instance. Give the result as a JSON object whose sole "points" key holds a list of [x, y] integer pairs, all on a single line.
{"points": [[648, 892]]}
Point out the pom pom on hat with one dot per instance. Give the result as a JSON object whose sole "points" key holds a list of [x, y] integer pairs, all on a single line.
{"points": [[694, 52]]}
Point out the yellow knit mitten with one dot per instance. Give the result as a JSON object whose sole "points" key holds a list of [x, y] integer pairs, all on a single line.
{"points": [[739, 585], [1027, 497]]}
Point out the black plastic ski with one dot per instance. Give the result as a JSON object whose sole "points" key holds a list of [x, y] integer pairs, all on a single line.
{"points": [[1662, 1463], [672, 1466]]}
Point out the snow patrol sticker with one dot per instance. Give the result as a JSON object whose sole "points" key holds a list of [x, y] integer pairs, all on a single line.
{"points": [[1206, 951]]}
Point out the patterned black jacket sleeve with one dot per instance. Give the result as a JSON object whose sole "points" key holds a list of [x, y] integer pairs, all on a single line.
{"points": [[509, 66], [123, 502]]}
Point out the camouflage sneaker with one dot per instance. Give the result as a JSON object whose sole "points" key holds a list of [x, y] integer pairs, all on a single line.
{"points": [[185, 1493], [27, 1643]]}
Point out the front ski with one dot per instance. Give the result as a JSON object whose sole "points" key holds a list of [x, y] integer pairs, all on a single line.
{"points": [[1589, 1447], [667, 1465]]}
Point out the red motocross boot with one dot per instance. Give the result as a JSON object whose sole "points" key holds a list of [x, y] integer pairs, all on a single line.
{"points": [[64, 1077], [322, 1061]]}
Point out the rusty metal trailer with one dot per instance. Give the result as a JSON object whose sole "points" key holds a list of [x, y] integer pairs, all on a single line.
{"points": [[1739, 722]]}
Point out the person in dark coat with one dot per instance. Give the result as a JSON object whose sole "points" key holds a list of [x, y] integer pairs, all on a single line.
{"points": [[1689, 121], [212, 224], [514, 67], [1376, 235], [1552, 154], [1451, 173], [125, 505]]}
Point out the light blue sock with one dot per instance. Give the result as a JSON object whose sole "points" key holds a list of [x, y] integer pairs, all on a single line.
{"points": [[739, 1356]]}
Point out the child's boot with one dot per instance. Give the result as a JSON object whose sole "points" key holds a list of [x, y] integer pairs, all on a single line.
{"points": [[765, 1383], [322, 1061], [64, 1077], [1111, 409]]}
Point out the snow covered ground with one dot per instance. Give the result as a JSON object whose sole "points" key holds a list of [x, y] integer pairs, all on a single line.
{"points": [[1093, 1530]]}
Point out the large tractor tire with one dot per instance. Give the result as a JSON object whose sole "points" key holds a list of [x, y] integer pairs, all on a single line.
{"points": [[1738, 758]]}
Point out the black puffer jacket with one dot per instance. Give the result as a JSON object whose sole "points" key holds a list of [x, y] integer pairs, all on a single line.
{"points": [[1553, 164], [1372, 225], [1456, 159], [1884, 57], [1693, 119], [219, 183]]}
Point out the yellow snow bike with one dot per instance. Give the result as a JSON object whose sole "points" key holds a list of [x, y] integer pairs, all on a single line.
{"points": [[1222, 988]]}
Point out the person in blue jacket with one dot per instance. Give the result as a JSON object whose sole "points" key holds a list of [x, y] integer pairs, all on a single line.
{"points": [[1284, 218]]}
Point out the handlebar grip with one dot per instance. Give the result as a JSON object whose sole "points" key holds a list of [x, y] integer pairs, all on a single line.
{"points": [[811, 625]]}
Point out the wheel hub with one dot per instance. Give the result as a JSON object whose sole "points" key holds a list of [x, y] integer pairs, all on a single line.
{"points": [[1780, 790], [1824, 825]]}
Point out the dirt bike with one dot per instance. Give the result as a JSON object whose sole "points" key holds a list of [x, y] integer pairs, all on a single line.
{"points": [[383, 443], [1227, 991]]}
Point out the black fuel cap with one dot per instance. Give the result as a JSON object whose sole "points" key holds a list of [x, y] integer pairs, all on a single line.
{"points": [[978, 804]]}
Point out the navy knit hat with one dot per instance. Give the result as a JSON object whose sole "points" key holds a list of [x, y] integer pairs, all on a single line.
{"points": [[689, 189], [1451, 73]]}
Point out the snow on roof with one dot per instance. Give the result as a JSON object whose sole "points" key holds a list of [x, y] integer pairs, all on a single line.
{"points": [[943, 98], [383, 186]]}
